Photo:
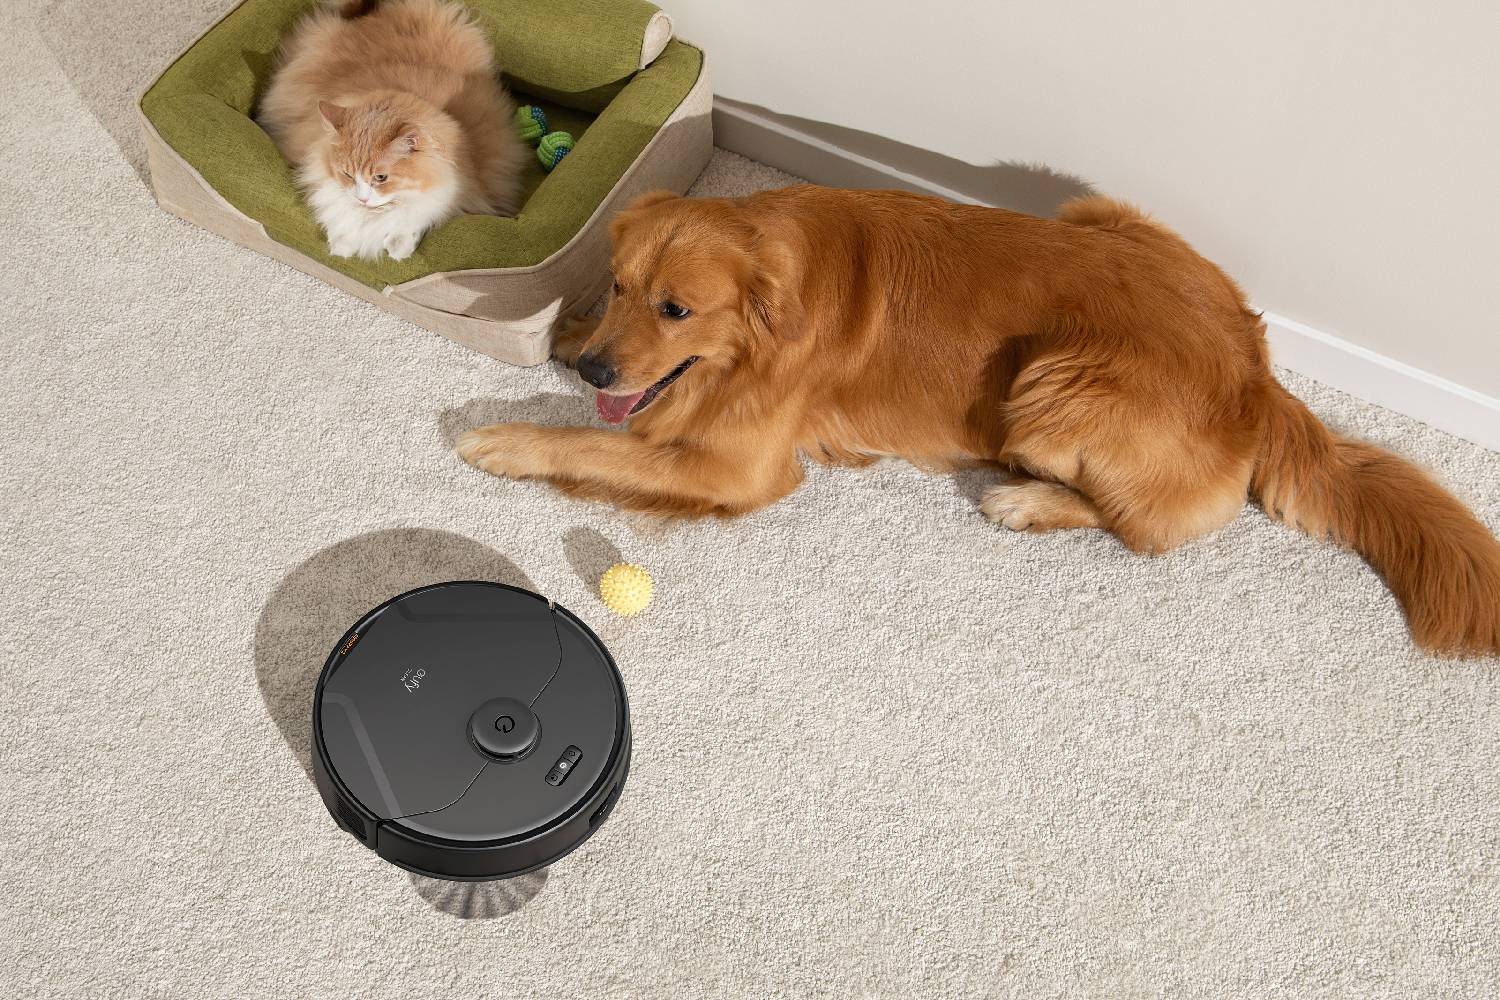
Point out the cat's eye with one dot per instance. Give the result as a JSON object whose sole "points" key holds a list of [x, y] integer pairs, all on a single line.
{"points": [[380, 178], [347, 175], [672, 310]]}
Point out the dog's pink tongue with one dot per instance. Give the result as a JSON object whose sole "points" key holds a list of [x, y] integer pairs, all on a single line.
{"points": [[614, 409]]}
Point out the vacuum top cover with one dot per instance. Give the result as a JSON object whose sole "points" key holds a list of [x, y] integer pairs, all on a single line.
{"points": [[477, 730]]}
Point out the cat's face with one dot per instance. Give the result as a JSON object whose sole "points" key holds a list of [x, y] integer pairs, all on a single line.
{"points": [[379, 157]]}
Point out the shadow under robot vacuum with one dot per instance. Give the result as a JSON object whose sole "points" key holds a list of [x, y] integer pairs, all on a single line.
{"points": [[311, 612]]}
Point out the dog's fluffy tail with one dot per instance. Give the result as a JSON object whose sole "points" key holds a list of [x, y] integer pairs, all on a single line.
{"points": [[1442, 564]]}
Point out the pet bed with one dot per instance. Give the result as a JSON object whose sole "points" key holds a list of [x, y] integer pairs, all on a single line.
{"points": [[608, 71]]}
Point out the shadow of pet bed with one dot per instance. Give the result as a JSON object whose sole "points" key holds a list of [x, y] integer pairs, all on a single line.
{"points": [[636, 100]]}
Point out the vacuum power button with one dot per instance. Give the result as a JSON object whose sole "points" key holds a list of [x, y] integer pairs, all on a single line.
{"points": [[564, 766]]}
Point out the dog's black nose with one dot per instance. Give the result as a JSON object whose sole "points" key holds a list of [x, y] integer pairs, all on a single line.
{"points": [[596, 371]]}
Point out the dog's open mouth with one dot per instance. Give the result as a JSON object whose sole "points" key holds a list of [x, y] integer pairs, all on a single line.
{"points": [[614, 409]]}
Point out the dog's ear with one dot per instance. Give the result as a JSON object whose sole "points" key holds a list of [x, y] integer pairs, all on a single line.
{"points": [[773, 295], [624, 218], [652, 198]]}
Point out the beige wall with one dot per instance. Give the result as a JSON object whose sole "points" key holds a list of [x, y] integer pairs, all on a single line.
{"points": [[1340, 158]]}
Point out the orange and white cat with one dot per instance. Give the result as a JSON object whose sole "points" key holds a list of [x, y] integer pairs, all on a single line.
{"points": [[395, 118]]}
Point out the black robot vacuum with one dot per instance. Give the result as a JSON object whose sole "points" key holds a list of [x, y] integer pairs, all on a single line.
{"points": [[470, 731]]}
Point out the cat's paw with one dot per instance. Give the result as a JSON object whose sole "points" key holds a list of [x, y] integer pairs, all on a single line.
{"points": [[343, 248], [401, 245], [570, 337]]}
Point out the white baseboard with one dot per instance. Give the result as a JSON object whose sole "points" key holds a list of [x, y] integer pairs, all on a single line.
{"points": [[1384, 381], [1331, 360]]}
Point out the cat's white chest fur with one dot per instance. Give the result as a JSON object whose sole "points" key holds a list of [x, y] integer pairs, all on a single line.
{"points": [[395, 228]]}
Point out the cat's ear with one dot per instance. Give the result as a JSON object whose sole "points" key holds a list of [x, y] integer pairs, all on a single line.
{"points": [[411, 139], [333, 115]]}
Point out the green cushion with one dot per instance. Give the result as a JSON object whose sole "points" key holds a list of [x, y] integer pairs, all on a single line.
{"points": [[575, 58]]}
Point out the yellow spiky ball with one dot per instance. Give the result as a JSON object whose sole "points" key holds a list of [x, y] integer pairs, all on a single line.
{"points": [[625, 589]]}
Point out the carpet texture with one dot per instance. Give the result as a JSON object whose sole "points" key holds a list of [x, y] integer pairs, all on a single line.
{"points": [[883, 748]]}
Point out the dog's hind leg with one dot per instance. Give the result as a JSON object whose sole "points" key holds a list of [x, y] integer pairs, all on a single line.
{"points": [[1154, 510], [1152, 499], [1139, 469]]}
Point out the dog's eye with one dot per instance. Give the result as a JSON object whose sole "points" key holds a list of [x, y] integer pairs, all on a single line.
{"points": [[617, 290], [672, 310]]}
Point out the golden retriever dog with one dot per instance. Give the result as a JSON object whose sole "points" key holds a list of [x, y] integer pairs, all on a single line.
{"points": [[1121, 377]]}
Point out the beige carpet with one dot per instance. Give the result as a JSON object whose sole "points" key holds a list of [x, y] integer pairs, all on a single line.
{"points": [[883, 749]]}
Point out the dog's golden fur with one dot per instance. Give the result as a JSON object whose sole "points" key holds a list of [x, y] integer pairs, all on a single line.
{"points": [[1121, 376]]}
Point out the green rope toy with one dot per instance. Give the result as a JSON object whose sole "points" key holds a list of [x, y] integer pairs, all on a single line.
{"points": [[553, 147], [531, 121]]}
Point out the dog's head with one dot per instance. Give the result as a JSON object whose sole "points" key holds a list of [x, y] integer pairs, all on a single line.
{"points": [[697, 284]]}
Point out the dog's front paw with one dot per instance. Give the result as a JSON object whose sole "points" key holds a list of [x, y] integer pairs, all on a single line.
{"points": [[401, 245], [503, 450], [343, 248]]}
